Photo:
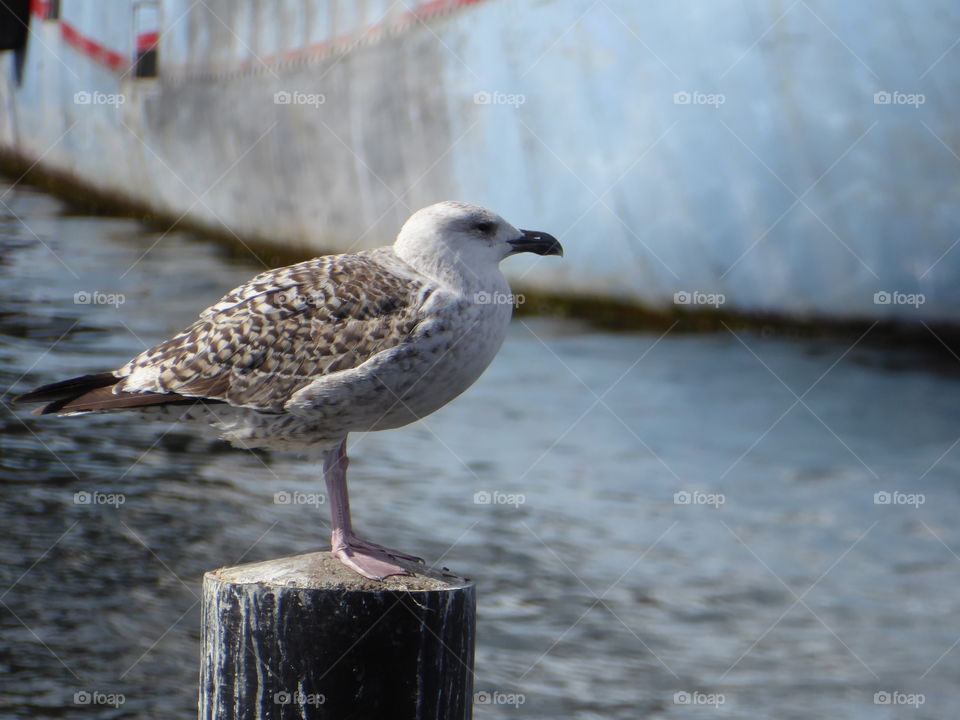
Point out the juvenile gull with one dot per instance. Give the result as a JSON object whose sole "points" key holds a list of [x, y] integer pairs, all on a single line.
{"points": [[301, 356]]}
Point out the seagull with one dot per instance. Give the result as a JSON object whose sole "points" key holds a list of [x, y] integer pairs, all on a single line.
{"points": [[300, 356]]}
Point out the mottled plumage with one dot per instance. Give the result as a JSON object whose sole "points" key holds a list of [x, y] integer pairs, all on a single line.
{"points": [[272, 336]]}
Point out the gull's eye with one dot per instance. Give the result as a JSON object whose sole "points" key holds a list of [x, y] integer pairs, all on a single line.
{"points": [[486, 227]]}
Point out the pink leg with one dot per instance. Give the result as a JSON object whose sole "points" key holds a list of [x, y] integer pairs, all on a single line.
{"points": [[369, 559]]}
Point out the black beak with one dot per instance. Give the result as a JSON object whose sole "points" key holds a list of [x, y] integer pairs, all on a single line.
{"points": [[537, 242]]}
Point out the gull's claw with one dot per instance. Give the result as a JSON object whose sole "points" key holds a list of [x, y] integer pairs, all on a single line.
{"points": [[370, 560]]}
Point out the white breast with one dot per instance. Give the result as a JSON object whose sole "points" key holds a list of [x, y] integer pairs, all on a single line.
{"points": [[455, 349]]}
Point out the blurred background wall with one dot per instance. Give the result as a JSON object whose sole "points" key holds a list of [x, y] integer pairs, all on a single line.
{"points": [[798, 158]]}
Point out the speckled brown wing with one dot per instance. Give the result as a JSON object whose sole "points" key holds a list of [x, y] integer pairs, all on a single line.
{"points": [[270, 337]]}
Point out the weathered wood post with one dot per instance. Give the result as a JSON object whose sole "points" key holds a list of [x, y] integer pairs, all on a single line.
{"points": [[304, 637]]}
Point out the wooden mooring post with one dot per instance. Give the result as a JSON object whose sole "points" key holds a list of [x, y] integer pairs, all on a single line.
{"points": [[304, 637]]}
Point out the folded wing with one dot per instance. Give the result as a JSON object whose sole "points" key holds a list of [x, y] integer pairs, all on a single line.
{"points": [[262, 342]]}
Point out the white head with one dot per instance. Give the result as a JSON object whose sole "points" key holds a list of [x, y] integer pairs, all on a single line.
{"points": [[453, 241]]}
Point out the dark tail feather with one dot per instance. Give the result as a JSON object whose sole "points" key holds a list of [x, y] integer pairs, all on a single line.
{"points": [[91, 393], [106, 399], [72, 388]]}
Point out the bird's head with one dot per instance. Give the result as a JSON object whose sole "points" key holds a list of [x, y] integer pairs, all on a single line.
{"points": [[455, 234]]}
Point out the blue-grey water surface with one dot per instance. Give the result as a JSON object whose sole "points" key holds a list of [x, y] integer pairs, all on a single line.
{"points": [[784, 588]]}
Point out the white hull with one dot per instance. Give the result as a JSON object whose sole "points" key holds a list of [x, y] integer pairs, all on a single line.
{"points": [[798, 195]]}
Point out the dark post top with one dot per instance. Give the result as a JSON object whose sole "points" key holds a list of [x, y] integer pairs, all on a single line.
{"points": [[305, 637], [320, 571]]}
